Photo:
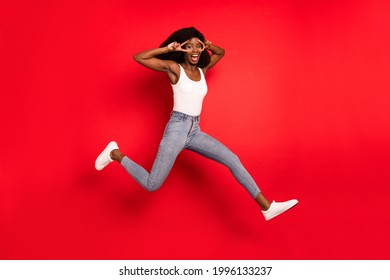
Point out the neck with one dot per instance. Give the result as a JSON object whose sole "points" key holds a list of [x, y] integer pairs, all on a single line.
{"points": [[189, 66]]}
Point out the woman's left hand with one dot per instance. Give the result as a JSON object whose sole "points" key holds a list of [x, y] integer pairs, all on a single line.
{"points": [[207, 44]]}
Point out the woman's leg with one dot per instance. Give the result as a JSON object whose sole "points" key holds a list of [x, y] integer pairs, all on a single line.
{"points": [[171, 145], [211, 148]]}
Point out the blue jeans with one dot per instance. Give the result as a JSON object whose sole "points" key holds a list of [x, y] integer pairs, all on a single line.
{"points": [[183, 132]]}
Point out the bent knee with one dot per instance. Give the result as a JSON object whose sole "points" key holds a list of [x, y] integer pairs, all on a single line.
{"points": [[233, 161], [153, 186]]}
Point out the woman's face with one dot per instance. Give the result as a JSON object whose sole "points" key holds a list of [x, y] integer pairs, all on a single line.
{"points": [[194, 49]]}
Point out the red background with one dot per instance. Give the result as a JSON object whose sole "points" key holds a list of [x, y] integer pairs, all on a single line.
{"points": [[302, 96]]}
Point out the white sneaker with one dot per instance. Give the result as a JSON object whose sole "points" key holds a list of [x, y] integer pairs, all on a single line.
{"points": [[104, 158], [277, 208]]}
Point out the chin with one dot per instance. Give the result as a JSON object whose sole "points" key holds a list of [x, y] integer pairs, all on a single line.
{"points": [[193, 62]]}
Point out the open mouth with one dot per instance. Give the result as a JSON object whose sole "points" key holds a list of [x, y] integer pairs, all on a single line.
{"points": [[195, 57]]}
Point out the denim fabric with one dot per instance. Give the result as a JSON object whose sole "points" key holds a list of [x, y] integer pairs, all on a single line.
{"points": [[183, 132]]}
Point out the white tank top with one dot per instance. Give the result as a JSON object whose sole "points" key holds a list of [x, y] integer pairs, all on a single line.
{"points": [[188, 95]]}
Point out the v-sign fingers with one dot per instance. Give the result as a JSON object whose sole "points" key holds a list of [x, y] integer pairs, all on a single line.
{"points": [[203, 45], [183, 44]]}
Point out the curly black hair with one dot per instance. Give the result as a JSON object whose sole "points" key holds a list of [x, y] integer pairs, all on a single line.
{"points": [[181, 36]]}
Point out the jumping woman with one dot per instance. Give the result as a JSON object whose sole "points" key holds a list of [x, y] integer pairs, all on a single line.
{"points": [[186, 57]]}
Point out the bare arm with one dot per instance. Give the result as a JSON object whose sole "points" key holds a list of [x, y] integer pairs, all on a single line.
{"points": [[216, 54], [149, 59]]}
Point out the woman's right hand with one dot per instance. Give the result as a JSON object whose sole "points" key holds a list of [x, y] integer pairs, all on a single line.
{"points": [[177, 47]]}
